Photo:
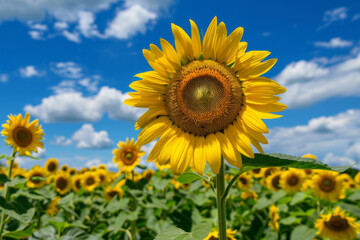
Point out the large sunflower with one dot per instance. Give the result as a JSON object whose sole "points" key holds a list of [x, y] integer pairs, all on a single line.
{"points": [[337, 226], [51, 166], [127, 156], [23, 136], [327, 185], [62, 182], [205, 99]]}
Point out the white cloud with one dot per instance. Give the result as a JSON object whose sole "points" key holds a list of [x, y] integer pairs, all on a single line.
{"points": [[40, 154], [65, 86], [307, 82], [321, 136], [91, 85], [4, 78], [86, 137], [38, 26], [93, 163], [72, 36], [334, 15], [36, 35], [74, 107], [129, 22], [86, 24], [332, 160], [61, 25], [62, 141], [67, 70], [334, 43], [30, 71]]}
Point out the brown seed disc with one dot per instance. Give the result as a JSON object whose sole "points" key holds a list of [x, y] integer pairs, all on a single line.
{"points": [[22, 136], [203, 97], [337, 223], [128, 156], [327, 184]]}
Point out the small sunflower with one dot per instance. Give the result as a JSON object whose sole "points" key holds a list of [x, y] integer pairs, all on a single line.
{"points": [[53, 207], [51, 166], [307, 184], [214, 235], [309, 155], [249, 194], [207, 98], [245, 181], [76, 183], [83, 170], [73, 171], [327, 185], [102, 166], [257, 173], [347, 180], [23, 136], [148, 174], [337, 226], [292, 180], [90, 180], [103, 176], [273, 181], [266, 172], [64, 168], [127, 156], [274, 218], [110, 192], [2, 171], [62, 182], [35, 172], [18, 172], [357, 177]]}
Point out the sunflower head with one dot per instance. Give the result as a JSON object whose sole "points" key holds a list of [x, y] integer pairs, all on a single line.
{"points": [[292, 180], [23, 136], [51, 165], [257, 173], [76, 182], [90, 180], [102, 166], [206, 99], [103, 176], [274, 218], [273, 181], [327, 185], [127, 155], [73, 171], [64, 168], [214, 235], [110, 192], [62, 182], [148, 174], [83, 170], [337, 226], [32, 175], [249, 194], [18, 172], [245, 181], [53, 208]]}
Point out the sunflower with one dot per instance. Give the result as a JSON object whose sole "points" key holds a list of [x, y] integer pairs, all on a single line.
{"points": [[307, 184], [18, 172], [266, 172], [274, 218], [257, 173], [2, 171], [110, 192], [249, 194], [90, 180], [15, 164], [53, 207], [214, 235], [51, 166], [76, 183], [148, 174], [83, 170], [24, 137], [309, 155], [35, 172], [62, 182], [102, 166], [347, 180], [273, 181], [357, 177], [127, 156], [206, 99], [245, 181], [292, 180], [337, 226], [64, 168], [72, 171], [103, 176], [327, 185]]}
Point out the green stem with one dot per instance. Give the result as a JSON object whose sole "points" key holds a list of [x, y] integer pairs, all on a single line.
{"points": [[6, 194], [220, 187]]}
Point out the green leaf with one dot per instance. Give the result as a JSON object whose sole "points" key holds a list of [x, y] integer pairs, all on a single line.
{"points": [[263, 203], [21, 234], [37, 179], [278, 195], [283, 160], [17, 182], [351, 208], [190, 177], [32, 157], [19, 208], [298, 197], [118, 179], [201, 230], [171, 233], [141, 166], [302, 232], [4, 178], [290, 220], [159, 183], [355, 196], [2, 156]]}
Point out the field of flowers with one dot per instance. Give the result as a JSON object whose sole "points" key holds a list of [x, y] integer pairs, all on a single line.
{"points": [[58, 202]]}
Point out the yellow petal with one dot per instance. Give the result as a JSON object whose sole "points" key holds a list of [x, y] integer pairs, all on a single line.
{"points": [[232, 156], [195, 40], [213, 152], [230, 47], [253, 122], [145, 85], [153, 130], [149, 116], [170, 53], [178, 160], [221, 34], [257, 70], [269, 107], [208, 41], [153, 76], [240, 140], [199, 155], [159, 146]]}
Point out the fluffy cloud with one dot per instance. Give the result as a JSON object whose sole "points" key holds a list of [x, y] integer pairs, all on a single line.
{"points": [[334, 15], [4, 78], [89, 84], [87, 137], [307, 82], [74, 107], [332, 136], [62, 141], [30, 71], [67, 70], [334, 43]]}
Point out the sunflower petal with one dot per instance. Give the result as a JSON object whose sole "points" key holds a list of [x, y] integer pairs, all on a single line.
{"points": [[199, 155], [228, 151], [213, 152], [208, 41], [153, 130], [195, 40]]}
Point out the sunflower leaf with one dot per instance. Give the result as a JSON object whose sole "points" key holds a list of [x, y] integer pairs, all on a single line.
{"points": [[20, 234], [283, 160], [190, 177]]}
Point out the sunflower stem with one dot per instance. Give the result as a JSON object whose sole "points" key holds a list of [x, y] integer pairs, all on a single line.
{"points": [[6, 194], [220, 187]]}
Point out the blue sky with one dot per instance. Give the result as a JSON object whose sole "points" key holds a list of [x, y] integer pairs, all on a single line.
{"points": [[70, 65]]}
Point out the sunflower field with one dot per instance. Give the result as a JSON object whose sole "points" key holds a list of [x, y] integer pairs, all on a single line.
{"points": [[205, 102]]}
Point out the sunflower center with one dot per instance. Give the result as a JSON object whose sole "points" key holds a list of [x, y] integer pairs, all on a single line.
{"points": [[128, 157], [90, 181], [36, 181], [337, 223], [64, 168], [112, 193], [78, 183], [276, 182], [308, 171], [293, 180], [243, 181], [51, 167], [22, 136], [61, 183], [327, 185], [203, 97], [257, 170]]}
